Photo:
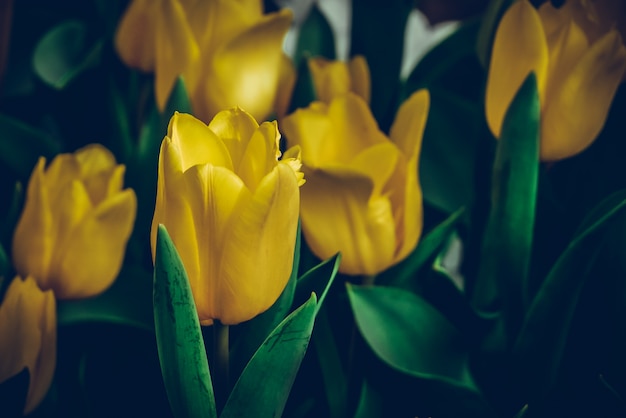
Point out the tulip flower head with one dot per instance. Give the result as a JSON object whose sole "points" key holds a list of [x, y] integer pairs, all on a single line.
{"points": [[28, 337], [231, 207], [362, 196], [334, 78], [578, 64], [76, 221], [228, 52]]}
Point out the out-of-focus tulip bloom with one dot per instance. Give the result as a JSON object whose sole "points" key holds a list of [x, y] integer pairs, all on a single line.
{"points": [[578, 71], [334, 78], [229, 53], [76, 222], [231, 208], [28, 337], [362, 195]]}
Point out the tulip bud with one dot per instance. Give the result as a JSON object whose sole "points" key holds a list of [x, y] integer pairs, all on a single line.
{"points": [[362, 196], [28, 337], [231, 208], [72, 234]]}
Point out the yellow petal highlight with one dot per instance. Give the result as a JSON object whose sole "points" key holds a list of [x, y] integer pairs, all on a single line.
{"points": [[28, 337], [335, 78]]}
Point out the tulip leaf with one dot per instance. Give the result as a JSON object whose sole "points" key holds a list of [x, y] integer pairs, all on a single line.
{"points": [[370, 405], [65, 52], [507, 243], [180, 344], [13, 393], [411, 336], [315, 39], [127, 302], [541, 342], [22, 145], [488, 27], [263, 387], [370, 19], [255, 331], [428, 247], [318, 280]]}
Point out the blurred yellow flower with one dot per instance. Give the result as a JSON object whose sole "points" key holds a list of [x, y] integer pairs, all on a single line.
{"points": [[229, 53], [28, 337], [578, 69], [72, 234], [362, 195], [231, 208], [334, 78]]}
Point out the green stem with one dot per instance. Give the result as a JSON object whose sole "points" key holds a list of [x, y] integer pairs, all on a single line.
{"points": [[221, 381]]}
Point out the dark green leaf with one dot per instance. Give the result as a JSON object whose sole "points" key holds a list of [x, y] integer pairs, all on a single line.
{"points": [[488, 27], [315, 39], [64, 52], [541, 343], [127, 302], [408, 334], [318, 280], [181, 349], [255, 331], [22, 145], [122, 143], [263, 387], [370, 405], [427, 248], [507, 243]]}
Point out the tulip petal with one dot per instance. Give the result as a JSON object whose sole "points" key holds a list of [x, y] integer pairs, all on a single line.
{"points": [[176, 50], [339, 213], [234, 128], [216, 196], [247, 69], [308, 128], [138, 25], [258, 249], [566, 47], [520, 39], [261, 155], [99, 172], [378, 163], [360, 75], [286, 84], [576, 113], [330, 78], [94, 252], [408, 127], [28, 337], [197, 142], [33, 239]]}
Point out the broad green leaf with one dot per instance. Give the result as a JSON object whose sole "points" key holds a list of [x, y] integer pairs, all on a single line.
{"points": [[541, 342], [254, 332], [315, 38], [370, 20], [127, 302], [507, 243], [489, 24], [180, 344], [263, 387], [408, 334], [22, 145], [65, 52], [428, 247], [318, 280]]}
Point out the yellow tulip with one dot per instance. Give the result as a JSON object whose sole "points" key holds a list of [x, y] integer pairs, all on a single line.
{"points": [[229, 53], [334, 78], [28, 337], [362, 195], [231, 208], [76, 221], [577, 75]]}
